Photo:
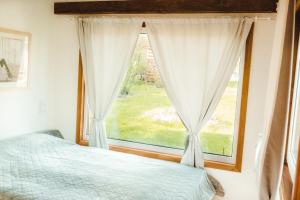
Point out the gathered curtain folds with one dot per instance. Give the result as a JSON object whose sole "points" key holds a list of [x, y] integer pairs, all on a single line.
{"points": [[106, 46], [271, 156], [196, 58]]}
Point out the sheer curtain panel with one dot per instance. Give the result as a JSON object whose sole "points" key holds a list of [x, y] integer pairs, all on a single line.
{"points": [[106, 46], [272, 155], [196, 58]]}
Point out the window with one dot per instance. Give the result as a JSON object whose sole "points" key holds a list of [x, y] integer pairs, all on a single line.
{"points": [[294, 129], [143, 118]]}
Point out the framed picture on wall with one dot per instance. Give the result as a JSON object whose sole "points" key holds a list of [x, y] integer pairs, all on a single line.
{"points": [[14, 58]]}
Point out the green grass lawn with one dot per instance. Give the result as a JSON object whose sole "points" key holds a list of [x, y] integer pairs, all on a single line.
{"points": [[130, 120]]}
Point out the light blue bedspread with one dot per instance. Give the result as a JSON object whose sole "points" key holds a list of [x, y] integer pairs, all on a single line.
{"points": [[40, 166]]}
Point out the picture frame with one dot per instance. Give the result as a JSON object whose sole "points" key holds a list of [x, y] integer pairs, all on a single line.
{"points": [[14, 58]]}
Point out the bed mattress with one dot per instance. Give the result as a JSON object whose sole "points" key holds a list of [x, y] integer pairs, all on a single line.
{"points": [[44, 167]]}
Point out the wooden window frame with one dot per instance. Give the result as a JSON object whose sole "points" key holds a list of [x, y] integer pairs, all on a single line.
{"points": [[288, 189], [237, 167]]}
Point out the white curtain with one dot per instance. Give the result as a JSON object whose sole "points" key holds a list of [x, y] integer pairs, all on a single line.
{"points": [[106, 46], [272, 153], [196, 58]]}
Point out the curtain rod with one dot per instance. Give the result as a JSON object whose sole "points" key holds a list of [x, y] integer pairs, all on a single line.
{"points": [[263, 18], [256, 18]]}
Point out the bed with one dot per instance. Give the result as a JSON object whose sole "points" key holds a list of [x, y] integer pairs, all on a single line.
{"points": [[47, 167]]}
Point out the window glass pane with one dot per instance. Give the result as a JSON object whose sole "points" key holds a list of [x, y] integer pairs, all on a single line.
{"points": [[218, 134], [143, 113], [294, 134], [296, 125]]}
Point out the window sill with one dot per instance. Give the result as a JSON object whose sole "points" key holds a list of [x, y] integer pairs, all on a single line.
{"points": [[169, 157]]}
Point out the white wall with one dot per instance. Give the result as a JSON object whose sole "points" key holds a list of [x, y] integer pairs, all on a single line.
{"points": [[50, 100], [24, 110], [53, 50]]}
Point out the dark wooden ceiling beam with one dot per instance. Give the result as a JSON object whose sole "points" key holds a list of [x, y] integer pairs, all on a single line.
{"points": [[165, 6]]}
